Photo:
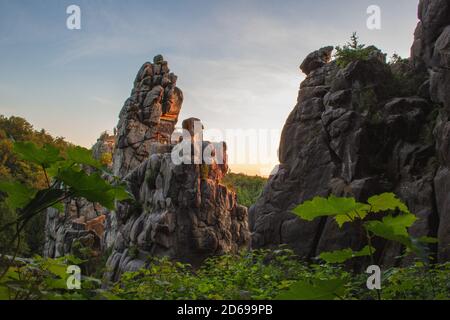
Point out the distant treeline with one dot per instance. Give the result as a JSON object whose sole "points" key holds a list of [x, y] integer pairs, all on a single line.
{"points": [[247, 188]]}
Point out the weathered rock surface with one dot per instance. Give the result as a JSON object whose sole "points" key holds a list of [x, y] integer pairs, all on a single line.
{"points": [[350, 135], [184, 213], [316, 60], [431, 51], [80, 223], [148, 117]]}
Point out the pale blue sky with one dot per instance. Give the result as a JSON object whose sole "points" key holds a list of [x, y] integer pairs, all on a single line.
{"points": [[237, 61]]}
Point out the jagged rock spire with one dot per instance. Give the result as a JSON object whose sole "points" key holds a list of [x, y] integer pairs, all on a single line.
{"points": [[148, 116]]}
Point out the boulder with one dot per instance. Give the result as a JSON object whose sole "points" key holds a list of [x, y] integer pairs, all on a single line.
{"points": [[316, 59]]}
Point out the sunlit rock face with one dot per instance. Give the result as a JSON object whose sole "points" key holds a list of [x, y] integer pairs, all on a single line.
{"points": [[148, 117], [356, 132]]}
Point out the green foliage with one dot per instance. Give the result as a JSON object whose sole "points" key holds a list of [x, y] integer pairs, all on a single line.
{"points": [[348, 209], [46, 279], [19, 194], [341, 256], [80, 155], [92, 187], [260, 274], [7, 217], [396, 58], [70, 178], [385, 202], [26, 173], [43, 156], [417, 282], [248, 188], [353, 51], [314, 290], [406, 80], [339, 208], [393, 228], [106, 159]]}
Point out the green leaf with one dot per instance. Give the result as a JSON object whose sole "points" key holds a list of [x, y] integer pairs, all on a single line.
{"points": [[43, 156], [42, 200], [428, 240], [314, 290], [58, 206], [333, 206], [343, 209], [93, 187], [18, 194], [72, 260], [387, 202], [57, 283], [393, 228], [120, 193], [359, 213], [4, 292], [82, 155], [341, 256], [57, 269]]}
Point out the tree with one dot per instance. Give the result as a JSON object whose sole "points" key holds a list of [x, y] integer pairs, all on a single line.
{"points": [[353, 51]]}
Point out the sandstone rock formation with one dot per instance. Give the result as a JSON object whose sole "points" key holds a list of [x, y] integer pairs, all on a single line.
{"points": [[181, 210], [148, 117], [80, 223], [352, 134]]}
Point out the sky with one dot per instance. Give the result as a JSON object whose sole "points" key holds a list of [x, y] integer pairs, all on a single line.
{"points": [[237, 61]]}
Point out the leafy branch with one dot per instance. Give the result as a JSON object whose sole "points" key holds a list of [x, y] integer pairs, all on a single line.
{"points": [[73, 175]]}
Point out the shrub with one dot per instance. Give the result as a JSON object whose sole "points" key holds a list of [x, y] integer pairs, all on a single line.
{"points": [[259, 274], [353, 51]]}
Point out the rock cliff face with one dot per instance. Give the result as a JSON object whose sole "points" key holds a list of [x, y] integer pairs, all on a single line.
{"points": [[361, 130], [148, 117], [431, 51]]}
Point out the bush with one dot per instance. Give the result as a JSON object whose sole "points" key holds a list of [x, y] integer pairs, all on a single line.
{"points": [[353, 51], [265, 274], [259, 274]]}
